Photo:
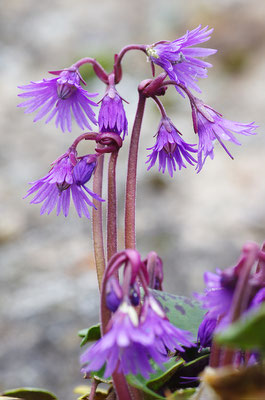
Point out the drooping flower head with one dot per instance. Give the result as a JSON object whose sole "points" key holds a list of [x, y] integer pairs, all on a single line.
{"points": [[221, 287], [205, 331], [154, 266], [60, 97], [66, 178], [112, 117], [130, 342], [170, 148], [125, 346], [211, 126], [180, 61]]}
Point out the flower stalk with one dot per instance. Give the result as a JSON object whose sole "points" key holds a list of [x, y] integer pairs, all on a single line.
{"points": [[112, 207], [97, 223], [130, 198]]}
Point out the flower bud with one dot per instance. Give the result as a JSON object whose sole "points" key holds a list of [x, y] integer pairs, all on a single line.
{"points": [[113, 294]]}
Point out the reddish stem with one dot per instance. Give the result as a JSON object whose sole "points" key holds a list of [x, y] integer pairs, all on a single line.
{"points": [[241, 296], [160, 106], [93, 389], [119, 57], [84, 136], [215, 355], [112, 207], [181, 86], [131, 176], [97, 222], [98, 69]]}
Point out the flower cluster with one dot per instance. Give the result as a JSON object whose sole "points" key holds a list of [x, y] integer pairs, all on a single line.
{"points": [[132, 337], [221, 287], [67, 176], [64, 96], [184, 68]]}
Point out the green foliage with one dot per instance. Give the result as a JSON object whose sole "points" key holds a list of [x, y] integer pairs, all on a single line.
{"points": [[248, 333], [84, 391], [29, 394], [182, 394], [164, 381], [183, 312], [99, 375], [157, 379], [90, 334]]}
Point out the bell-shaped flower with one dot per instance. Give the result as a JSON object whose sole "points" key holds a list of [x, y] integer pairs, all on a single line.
{"points": [[60, 97], [170, 149], [65, 179]]}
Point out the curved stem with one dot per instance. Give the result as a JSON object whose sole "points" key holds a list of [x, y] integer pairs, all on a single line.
{"points": [[99, 70], [160, 106], [181, 86], [112, 207], [84, 136], [119, 57], [124, 50], [97, 222], [131, 176]]}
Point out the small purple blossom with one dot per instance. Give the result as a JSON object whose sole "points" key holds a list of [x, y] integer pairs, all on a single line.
{"points": [[218, 296], [259, 298], [210, 125], [205, 331], [64, 179], [60, 97], [126, 346], [170, 148], [113, 294], [220, 287], [180, 61], [112, 117], [159, 329]]}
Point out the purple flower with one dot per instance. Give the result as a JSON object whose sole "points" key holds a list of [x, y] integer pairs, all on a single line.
{"points": [[61, 96], [113, 294], [65, 178], [112, 117], [210, 126], [159, 329], [259, 298], [218, 294], [170, 148], [126, 346], [180, 61], [205, 331]]}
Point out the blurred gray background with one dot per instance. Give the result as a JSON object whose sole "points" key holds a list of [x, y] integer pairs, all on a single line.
{"points": [[195, 222]]}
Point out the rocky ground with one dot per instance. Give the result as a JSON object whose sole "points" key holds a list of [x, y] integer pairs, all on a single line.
{"points": [[195, 222]]}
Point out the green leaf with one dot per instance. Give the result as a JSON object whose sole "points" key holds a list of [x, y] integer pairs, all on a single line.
{"points": [[156, 380], [99, 375], [183, 312], [90, 334], [247, 333], [30, 394], [84, 391], [182, 394]]}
